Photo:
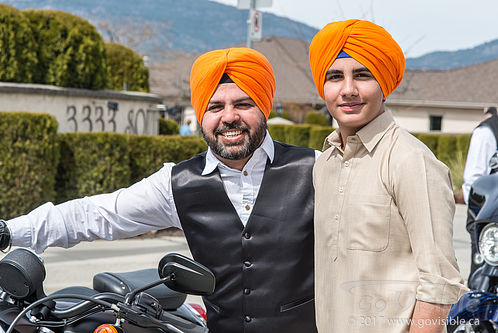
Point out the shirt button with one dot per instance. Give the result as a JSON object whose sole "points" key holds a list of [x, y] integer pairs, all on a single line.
{"points": [[341, 189], [247, 291], [336, 216], [247, 319], [248, 207], [247, 235], [346, 164], [245, 173], [247, 263]]}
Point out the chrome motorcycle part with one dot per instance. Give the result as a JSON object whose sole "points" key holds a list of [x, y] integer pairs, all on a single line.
{"points": [[488, 243], [478, 258]]}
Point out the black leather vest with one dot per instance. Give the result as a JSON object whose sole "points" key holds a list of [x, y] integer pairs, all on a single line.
{"points": [[264, 272]]}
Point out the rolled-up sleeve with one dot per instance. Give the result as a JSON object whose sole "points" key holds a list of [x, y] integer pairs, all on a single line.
{"points": [[145, 206], [423, 191]]}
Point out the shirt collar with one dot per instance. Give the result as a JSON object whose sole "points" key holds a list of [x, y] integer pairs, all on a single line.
{"points": [[369, 135], [267, 147]]}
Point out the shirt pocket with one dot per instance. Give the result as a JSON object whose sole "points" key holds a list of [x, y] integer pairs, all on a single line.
{"points": [[368, 223]]}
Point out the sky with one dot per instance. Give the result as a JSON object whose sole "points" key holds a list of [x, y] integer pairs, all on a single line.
{"points": [[419, 27]]}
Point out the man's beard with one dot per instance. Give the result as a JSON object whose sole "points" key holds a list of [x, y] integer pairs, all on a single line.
{"points": [[247, 146]]}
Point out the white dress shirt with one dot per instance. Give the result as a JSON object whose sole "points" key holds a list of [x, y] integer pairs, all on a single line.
{"points": [[482, 147], [145, 206]]}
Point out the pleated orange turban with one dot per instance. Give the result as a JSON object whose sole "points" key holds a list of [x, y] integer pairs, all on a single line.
{"points": [[247, 68], [364, 41]]}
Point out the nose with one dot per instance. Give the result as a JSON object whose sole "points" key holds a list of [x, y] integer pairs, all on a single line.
{"points": [[230, 114], [349, 87]]}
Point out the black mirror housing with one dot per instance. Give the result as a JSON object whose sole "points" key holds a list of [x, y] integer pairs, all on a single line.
{"points": [[186, 275]]}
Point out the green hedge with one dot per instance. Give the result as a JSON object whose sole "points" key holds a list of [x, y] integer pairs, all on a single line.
{"points": [[148, 153], [28, 156], [125, 67], [168, 127], [298, 135], [70, 51], [17, 46], [277, 132], [446, 147], [430, 140], [92, 163], [318, 135], [316, 118]]}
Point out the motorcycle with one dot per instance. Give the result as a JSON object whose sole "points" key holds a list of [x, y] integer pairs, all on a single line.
{"points": [[145, 301], [477, 311]]}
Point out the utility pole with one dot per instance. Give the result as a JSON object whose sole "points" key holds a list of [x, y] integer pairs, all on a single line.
{"points": [[249, 23]]}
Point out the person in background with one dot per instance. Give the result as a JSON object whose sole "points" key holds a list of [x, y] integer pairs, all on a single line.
{"points": [[384, 258], [185, 128], [483, 144], [245, 205]]}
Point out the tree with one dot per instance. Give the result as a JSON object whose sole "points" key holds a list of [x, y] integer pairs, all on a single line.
{"points": [[125, 69], [70, 51], [17, 44]]}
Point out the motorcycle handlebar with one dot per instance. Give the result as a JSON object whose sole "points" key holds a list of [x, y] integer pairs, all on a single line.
{"points": [[81, 307]]}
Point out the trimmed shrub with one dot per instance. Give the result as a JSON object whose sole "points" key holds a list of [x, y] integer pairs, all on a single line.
{"points": [[430, 140], [28, 156], [17, 46], [318, 135], [298, 135], [149, 153], [92, 163], [446, 148], [168, 127], [125, 68], [273, 114], [277, 132], [462, 143], [316, 118], [70, 51]]}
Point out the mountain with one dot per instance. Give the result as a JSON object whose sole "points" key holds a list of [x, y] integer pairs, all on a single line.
{"points": [[455, 59], [194, 26], [189, 26]]}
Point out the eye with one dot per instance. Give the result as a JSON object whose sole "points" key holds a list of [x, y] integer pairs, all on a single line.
{"points": [[333, 77], [214, 108], [244, 105], [364, 75]]}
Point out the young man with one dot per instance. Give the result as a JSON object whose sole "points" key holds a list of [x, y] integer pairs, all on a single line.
{"points": [[383, 203], [245, 205]]}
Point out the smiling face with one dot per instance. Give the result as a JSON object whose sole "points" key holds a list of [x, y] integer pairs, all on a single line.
{"points": [[233, 125], [353, 96]]}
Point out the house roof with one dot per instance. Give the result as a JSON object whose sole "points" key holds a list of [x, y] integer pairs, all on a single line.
{"points": [[476, 84], [473, 84]]}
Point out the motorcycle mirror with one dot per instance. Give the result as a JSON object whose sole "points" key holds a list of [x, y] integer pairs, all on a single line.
{"points": [[186, 275], [22, 274], [493, 162]]}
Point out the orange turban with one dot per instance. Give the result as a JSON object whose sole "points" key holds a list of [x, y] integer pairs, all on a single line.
{"points": [[247, 68], [364, 41]]}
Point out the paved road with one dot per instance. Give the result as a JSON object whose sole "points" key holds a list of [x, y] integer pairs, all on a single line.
{"points": [[76, 266]]}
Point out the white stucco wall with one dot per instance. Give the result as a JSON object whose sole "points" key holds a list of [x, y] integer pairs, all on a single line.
{"points": [[81, 110], [456, 119]]}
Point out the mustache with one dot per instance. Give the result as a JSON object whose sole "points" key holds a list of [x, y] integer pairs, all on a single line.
{"points": [[231, 126]]}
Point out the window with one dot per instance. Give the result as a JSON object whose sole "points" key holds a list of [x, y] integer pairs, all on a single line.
{"points": [[435, 123]]}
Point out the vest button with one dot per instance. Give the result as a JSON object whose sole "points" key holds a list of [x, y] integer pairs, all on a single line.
{"points": [[247, 291], [247, 319], [247, 235], [247, 263]]}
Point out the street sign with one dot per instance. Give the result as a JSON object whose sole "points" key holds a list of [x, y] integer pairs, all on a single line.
{"points": [[246, 4], [256, 25]]}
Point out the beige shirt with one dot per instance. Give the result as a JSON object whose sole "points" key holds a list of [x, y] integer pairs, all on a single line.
{"points": [[383, 230]]}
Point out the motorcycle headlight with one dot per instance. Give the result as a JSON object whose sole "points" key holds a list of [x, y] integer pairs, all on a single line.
{"points": [[488, 243]]}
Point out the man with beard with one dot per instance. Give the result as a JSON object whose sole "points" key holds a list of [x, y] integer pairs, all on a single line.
{"points": [[245, 205]]}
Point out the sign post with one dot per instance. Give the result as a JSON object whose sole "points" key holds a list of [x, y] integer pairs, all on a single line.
{"points": [[255, 19]]}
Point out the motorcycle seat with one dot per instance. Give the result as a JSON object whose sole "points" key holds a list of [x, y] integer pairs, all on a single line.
{"points": [[124, 283]]}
